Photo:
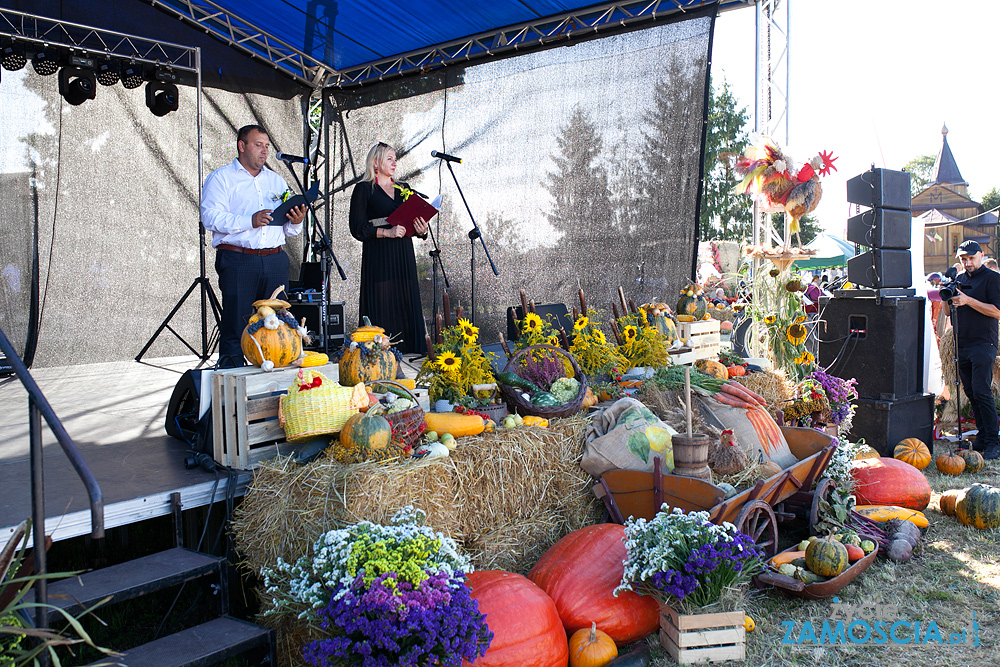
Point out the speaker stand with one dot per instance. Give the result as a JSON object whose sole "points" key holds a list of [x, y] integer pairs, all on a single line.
{"points": [[207, 296]]}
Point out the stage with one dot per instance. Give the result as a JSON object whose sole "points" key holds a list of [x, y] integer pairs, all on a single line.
{"points": [[115, 414]]}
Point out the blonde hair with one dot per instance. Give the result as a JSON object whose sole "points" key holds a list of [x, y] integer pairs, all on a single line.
{"points": [[375, 156]]}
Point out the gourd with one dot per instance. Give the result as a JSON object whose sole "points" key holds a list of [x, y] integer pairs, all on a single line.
{"points": [[454, 423], [885, 481], [768, 469], [949, 499], [591, 648], [950, 463], [691, 302], [854, 553], [272, 338], [785, 557], [667, 327], [979, 507], [887, 512], [748, 623], [713, 368], [515, 380], [532, 420], [589, 399], [580, 573], [565, 389], [865, 452], [974, 461], [523, 619], [367, 332], [365, 437], [914, 452], [372, 363], [826, 557]]}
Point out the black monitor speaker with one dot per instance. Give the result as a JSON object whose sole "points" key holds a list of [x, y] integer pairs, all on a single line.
{"points": [[189, 401], [880, 268], [880, 188], [881, 228]]}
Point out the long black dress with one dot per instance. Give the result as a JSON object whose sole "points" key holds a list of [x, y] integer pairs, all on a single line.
{"points": [[390, 293]]}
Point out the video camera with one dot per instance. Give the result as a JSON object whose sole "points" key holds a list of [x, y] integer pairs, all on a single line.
{"points": [[948, 288]]}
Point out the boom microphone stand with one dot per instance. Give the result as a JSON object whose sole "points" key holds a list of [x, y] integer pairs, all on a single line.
{"points": [[474, 233]]}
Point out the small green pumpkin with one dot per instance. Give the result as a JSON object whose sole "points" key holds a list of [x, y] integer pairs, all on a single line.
{"points": [[366, 436], [974, 461], [827, 558], [544, 399], [979, 507]]}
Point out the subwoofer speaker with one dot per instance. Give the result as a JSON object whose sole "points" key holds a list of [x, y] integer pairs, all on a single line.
{"points": [[878, 342], [881, 268], [313, 314], [884, 424], [191, 398]]}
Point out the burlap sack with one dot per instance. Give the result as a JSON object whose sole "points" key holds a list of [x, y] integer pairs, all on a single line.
{"points": [[627, 436], [756, 431]]}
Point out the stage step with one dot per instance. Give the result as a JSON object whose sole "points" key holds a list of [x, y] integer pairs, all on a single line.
{"points": [[205, 644], [135, 578]]}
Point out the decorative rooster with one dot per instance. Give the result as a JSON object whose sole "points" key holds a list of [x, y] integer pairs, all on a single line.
{"points": [[771, 177], [727, 457]]}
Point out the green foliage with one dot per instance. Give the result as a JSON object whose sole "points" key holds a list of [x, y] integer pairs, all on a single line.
{"points": [[991, 200], [919, 169], [724, 214]]}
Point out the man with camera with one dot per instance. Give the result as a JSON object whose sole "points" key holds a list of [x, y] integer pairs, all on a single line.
{"points": [[975, 294]]}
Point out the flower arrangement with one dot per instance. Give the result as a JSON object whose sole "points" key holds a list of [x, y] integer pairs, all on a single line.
{"points": [[595, 355], [642, 344], [382, 595], [687, 561], [459, 364], [841, 395], [535, 330]]}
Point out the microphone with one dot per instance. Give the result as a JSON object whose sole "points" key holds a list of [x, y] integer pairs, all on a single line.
{"points": [[285, 157], [445, 156]]}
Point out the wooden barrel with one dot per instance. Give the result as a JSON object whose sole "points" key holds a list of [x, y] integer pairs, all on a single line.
{"points": [[691, 456]]}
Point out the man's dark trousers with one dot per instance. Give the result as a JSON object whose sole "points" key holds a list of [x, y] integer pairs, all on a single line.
{"points": [[975, 368], [244, 279]]}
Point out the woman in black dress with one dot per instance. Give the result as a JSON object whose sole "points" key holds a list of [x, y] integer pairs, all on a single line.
{"points": [[390, 293]]}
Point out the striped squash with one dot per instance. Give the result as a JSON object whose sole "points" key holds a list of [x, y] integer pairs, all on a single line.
{"points": [[979, 507], [886, 512], [280, 346], [380, 364]]}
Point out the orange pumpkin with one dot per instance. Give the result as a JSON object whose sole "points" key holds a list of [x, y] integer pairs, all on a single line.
{"points": [[950, 463], [376, 363], [948, 500], [591, 648], [914, 452], [268, 341]]}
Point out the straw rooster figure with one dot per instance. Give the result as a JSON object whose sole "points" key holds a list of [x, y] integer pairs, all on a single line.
{"points": [[771, 177]]}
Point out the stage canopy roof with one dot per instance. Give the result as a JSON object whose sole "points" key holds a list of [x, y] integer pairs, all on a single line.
{"points": [[343, 43]]}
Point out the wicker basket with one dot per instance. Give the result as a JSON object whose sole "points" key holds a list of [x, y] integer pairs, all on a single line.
{"points": [[308, 413], [408, 425], [518, 404]]}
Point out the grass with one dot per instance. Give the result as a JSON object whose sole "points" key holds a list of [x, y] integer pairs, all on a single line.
{"points": [[956, 574]]}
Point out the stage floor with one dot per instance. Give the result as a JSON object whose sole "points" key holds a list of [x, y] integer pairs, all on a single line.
{"points": [[115, 414]]}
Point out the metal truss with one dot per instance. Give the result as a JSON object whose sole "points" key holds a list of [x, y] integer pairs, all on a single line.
{"points": [[39, 31], [771, 93]]}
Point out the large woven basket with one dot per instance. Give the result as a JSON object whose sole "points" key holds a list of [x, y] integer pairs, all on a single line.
{"points": [[308, 413], [407, 425], [518, 404]]}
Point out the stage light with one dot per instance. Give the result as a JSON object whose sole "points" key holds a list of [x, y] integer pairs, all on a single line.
{"points": [[165, 74], [132, 75], [13, 57], [108, 72], [161, 97], [77, 85], [45, 62]]}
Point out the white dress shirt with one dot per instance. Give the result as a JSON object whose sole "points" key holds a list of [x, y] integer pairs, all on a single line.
{"points": [[229, 199]]}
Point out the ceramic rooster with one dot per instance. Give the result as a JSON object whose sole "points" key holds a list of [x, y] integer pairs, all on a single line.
{"points": [[727, 457]]}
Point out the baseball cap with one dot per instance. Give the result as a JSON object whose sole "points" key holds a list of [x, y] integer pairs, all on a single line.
{"points": [[968, 248]]}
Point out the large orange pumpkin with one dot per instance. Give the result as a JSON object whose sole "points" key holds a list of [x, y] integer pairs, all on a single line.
{"points": [[885, 481], [914, 452], [580, 573], [526, 628]]}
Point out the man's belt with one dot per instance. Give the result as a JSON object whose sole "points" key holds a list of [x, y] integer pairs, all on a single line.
{"points": [[247, 251]]}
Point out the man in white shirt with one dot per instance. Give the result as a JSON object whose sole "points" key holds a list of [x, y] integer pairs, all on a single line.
{"points": [[236, 203]]}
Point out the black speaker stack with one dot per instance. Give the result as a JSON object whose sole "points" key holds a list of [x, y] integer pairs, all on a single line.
{"points": [[877, 335], [311, 306]]}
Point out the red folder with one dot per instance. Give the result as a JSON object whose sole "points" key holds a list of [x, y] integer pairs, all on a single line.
{"points": [[414, 207]]}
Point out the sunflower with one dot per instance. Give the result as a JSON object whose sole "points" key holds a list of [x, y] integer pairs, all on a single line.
{"points": [[630, 332], [805, 358], [800, 319], [769, 319], [532, 322], [448, 362], [581, 323], [796, 334], [469, 332], [553, 340], [599, 337]]}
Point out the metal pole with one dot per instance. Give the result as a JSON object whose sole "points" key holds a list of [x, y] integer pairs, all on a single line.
{"points": [[38, 511], [201, 227]]}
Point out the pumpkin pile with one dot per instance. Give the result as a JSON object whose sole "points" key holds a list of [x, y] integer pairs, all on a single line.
{"points": [[977, 506]]}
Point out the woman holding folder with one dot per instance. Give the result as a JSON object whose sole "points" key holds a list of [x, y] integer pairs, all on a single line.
{"points": [[390, 293]]}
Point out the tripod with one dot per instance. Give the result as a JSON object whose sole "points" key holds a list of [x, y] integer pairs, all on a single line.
{"points": [[953, 314]]}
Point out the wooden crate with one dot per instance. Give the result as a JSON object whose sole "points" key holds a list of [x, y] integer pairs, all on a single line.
{"points": [[245, 414], [693, 638], [703, 337]]}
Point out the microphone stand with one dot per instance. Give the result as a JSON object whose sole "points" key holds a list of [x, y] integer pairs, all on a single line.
{"points": [[325, 248], [435, 255], [474, 233]]}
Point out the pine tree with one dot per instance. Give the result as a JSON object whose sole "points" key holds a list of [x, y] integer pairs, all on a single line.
{"points": [[724, 214]]}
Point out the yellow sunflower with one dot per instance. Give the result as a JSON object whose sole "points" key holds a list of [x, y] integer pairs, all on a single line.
{"points": [[553, 340], [630, 332], [796, 334], [642, 316], [469, 332], [800, 319], [805, 358], [769, 319], [448, 362], [532, 322], [599, 337], [581, 323]]}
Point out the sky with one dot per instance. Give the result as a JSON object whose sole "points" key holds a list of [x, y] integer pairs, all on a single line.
{"points": [[874, 81]]}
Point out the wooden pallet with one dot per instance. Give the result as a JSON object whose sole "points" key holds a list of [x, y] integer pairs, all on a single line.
{"points": [[703, 337], [693, 638], [245, 414]]}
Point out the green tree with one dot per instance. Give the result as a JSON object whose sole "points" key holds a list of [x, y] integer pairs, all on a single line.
{"points": [[919, 169], [991, 200], [724, 214], [809, 227]]}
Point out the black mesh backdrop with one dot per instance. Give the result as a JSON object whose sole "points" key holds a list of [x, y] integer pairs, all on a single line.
{"points": [[117, 204], [18, 262], [581, 166]]}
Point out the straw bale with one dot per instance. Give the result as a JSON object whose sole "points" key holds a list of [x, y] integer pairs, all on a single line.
{"points": [[505, 497], [773, 386]]}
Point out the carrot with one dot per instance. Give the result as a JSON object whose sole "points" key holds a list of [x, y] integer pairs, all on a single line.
{"points": [[745, 393], [727, 399], [736, 393]]}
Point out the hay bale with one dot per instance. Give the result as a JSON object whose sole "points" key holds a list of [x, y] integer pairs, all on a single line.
{"points": [[505, 497], [773, 386]]}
